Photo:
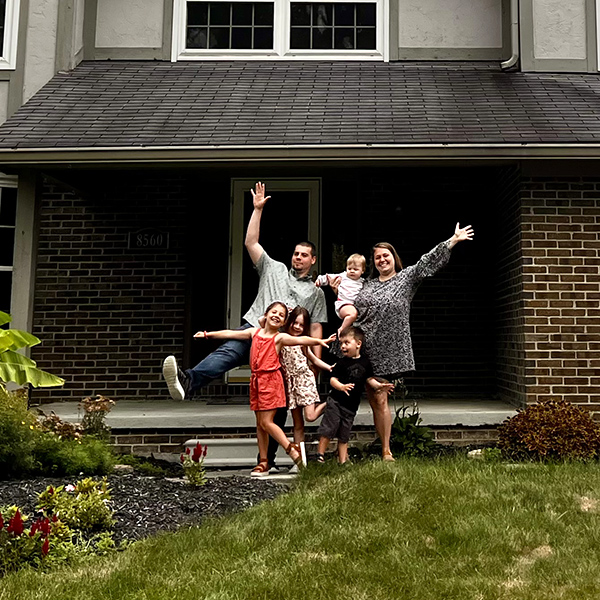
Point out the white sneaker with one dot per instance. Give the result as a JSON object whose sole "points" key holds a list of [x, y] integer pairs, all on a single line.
{"points": [[175, 378]]}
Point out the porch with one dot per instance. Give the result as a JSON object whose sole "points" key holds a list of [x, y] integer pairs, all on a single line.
{"points": [[162, 427]]}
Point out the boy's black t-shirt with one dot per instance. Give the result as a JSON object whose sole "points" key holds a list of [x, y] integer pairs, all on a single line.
{"points": [[351, 370]]}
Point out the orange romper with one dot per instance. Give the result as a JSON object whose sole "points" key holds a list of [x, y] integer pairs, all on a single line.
{"points": [[267, 391]]}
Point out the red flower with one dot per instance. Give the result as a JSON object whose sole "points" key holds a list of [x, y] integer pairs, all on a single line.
{"points": [[54, 518], [1, 521], [204, 451], [46, 546], [182, 457], [187, 450], [44, 526], [15, 525]]}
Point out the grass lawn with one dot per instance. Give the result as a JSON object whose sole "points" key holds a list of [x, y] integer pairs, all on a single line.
{"points": [[443, 529]]}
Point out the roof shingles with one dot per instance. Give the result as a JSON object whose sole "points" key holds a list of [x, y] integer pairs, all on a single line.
{"points": [[123, 104]]}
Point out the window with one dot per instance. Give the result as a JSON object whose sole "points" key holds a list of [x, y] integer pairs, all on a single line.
{"points": [[278, 29], [9, 23], [230, 25], [330, 25], [8, 215]]}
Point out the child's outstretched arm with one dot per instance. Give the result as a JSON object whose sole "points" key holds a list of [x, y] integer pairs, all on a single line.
{"points": [[379, 385], [227, 334], [327, 279], [315, 360], [284, 339]]}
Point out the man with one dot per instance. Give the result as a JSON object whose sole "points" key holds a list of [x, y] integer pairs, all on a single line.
{"points": [[294, 287]]}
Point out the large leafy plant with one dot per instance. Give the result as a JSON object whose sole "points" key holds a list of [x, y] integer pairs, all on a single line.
{"points": [[16, 367], [408, 436]]}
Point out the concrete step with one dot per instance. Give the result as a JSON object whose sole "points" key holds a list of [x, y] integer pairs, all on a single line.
{"points": [[239, 452]]}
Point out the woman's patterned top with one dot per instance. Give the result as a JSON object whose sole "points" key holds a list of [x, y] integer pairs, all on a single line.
{"points": [[384, 313]]}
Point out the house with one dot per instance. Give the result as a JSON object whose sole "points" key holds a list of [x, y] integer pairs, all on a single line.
{"points": [[134, 130]]}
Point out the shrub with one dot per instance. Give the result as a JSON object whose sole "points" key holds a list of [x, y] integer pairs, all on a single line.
{"points": [[550, 430], [57, 457], [19, 433], [83, 507], [63, 429], [409, 437], [96, 408]]}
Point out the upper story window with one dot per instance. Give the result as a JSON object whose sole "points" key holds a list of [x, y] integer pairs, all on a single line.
{"points": [[9, 23], [278, 29]]}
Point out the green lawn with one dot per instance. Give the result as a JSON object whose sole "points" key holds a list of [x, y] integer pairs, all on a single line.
{"points": [[413, 529]]}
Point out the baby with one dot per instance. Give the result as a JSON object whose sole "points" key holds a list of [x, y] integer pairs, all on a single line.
{"points": [[351, 283]]}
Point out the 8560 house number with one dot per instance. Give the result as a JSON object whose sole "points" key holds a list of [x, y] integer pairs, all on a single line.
{"points": [[148, 239]]}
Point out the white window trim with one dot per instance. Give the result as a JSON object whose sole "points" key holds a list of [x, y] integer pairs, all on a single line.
{"points": [[8, 60], [281, 38]]}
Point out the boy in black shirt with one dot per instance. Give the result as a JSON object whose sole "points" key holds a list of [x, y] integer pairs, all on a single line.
{"points": [[348, 379]]}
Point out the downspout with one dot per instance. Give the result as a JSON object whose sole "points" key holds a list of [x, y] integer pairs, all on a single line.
{"points": [[514, 36]]}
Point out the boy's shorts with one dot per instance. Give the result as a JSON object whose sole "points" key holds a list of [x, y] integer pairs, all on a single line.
{"points": [[337, 422]]}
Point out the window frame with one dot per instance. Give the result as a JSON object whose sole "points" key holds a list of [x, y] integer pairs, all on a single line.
{"points": [[281, 37], [8, 59]]}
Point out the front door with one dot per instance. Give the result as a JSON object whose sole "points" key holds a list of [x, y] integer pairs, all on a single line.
{"points": [[291, 215]]}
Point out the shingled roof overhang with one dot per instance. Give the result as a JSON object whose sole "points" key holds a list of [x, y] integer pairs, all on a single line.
{"points": [[106, 112]]}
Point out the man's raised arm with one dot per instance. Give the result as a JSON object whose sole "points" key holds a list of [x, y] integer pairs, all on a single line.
{"points": [[255, 250]]}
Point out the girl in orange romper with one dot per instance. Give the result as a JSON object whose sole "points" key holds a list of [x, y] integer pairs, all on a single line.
{"points": [[267, 391]]}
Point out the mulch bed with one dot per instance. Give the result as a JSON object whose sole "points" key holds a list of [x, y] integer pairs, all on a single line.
{"points": [[144, 506]]}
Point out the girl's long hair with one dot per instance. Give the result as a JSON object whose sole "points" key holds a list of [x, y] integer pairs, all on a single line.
{"points": [[294, 314], [373, 272]]}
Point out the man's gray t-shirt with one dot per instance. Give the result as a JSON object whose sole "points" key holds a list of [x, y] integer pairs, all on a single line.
{"points": [[278, 283]]}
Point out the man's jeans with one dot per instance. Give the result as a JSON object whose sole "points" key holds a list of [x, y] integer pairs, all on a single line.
{"points": [[231, 354]]}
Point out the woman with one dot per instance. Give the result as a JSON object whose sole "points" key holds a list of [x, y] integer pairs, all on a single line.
{"points": [[383, 314]]}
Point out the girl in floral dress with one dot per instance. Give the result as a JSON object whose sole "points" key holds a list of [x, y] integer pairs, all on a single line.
{"points": [[301, 386]]}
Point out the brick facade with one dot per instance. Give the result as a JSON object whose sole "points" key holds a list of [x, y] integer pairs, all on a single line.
{"points": [[107, 314], [561, 289], [515, 315]]}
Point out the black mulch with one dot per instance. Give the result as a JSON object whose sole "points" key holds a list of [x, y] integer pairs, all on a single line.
{"points": [[144, 506]]}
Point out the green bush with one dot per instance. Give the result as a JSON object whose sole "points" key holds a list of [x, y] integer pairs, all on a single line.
{"points": [[409, 437], [19, 433], [57, 457], [550, 430], [26, 450], [84, 507]]}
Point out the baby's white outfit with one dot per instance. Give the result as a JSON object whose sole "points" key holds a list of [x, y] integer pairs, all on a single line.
{"points": [[347, 291]]}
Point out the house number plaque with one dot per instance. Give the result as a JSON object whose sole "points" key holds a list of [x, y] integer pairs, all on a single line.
{"points": [[148, 239]]}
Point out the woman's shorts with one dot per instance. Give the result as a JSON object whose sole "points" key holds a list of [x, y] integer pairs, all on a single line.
{"points": [[337, 422]]}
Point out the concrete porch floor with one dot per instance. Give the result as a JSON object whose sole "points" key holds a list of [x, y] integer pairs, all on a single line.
{"points": [[168, 414]]}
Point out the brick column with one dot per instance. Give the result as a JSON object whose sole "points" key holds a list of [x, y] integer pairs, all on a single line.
{"points": [[561, 289]]}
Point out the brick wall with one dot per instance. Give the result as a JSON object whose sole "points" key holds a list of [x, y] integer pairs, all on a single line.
{"points": [[107, 314], [561, 289], [509, 317]]}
